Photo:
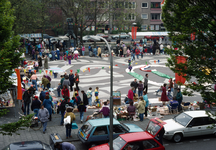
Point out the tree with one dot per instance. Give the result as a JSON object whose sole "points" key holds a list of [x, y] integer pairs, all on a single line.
{"points": [[181, 18], [8, 61]]}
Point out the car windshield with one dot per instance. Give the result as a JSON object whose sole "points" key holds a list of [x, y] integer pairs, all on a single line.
{"points": [[118, 143], [183, 119], [86, 128], [153, 128], [126, 127]]}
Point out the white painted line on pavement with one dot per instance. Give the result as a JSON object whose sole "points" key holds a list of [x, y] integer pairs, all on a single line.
{"points": [[206, 140]]}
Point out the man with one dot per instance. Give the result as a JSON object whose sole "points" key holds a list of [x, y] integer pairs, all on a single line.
{"points": [[90, 50], [145, 97], [179, 98], [77, 99], [65, 146], [77, 81], [71, 79], [45, 82], [46, 62], [146, 83], [85, 99], [42, 95], [35, 106], [175, 88], [134, 84], [62, 80], [43, 116], [34, 80], [26, 100]]}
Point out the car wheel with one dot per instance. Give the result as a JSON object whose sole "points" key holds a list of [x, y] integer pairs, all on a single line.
{"points": [[215, 134], [177, 137]]}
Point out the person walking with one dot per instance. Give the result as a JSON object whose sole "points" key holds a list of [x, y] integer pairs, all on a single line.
{"points": [[141, 108], [90, 50], [83, 50], [47, 103], [131, 110], [89, 96], [71, 79], [46, 62], [65, 91], [65, 59], [43, 116], [179, 98], [99, 51], [105, 110], [135, 85], [131, 94], [66, 81], [146, 83], [137, 51], [124, 50], [26, 100], [76, 54], [69, 58], [85, 99], [34, 80], [164, 97], [35, 106], [81, 109], [58, 53], [175, 90], [140, 89], [61, 54], [40, 61], [77, 81], [145, 97], [69, 126]]}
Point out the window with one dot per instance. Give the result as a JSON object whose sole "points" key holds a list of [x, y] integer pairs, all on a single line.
{"points": [[144, 5], [134, 146], [196, 122], [155, 5], [101, 130], [144, 16], [148, 144], [86, 128], [208, 121], [144, 27], [155, 16], [183, 119], [157, 27], [131, 5], [130, 17], [118, 129], [151, 27], [126, 4]]}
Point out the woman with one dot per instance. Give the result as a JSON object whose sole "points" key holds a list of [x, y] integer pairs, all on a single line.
{"points": [[140, 88], [43, 116], [83, 50], [46, 62], [141, 108], [171, 84], [131, 94], [77, 80], [164, 97], [81, 109], [69, 126], [121, 51], [124, 50], [66, 81], [75, 91], [69, 59], [145, 97], [47, 103], [61, 54], [105, 110], [76, 53], [131, 110], [65, 91]]}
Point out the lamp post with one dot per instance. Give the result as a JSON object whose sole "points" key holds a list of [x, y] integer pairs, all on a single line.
{"points": [[111, 90]]}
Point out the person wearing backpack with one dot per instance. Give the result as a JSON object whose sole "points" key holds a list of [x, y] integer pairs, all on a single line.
{"points": [[141, 108], [89, 96]]}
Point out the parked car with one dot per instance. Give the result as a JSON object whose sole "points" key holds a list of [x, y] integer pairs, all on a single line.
{"points": [[122, 35], [102, 35], [28, 145], [139, 140], [153, 37], [187, 124], [97, 131]]}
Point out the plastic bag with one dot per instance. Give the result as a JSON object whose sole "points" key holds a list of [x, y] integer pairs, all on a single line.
{"points": [[67, 120]]}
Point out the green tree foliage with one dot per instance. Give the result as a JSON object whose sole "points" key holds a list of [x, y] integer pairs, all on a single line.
{"points": [[181, 18], [8, 43]]}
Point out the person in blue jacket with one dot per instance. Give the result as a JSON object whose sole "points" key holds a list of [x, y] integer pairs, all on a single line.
{"points": [[58, 53], [53, 54], [145, 97], [48, 105], [42, 95]]}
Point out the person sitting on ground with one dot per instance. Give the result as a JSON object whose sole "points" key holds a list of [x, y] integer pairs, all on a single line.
{"points": [[131, 110]]}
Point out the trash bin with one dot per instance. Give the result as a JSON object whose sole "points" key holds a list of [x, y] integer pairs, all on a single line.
{"points": [[55, 74], [55, 138]]}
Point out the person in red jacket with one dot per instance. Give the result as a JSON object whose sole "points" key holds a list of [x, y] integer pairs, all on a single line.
{"points": [[137, 51], [131, 94], [65, 91]]}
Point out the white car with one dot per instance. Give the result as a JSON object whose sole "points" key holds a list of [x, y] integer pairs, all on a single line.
{"points": [[189, 123]]}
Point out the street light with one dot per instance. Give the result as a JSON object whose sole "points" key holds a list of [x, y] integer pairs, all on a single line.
{"points": [[111, 90]]}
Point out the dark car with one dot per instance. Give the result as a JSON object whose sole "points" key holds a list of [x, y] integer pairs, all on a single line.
{"points": [[28, 145]]}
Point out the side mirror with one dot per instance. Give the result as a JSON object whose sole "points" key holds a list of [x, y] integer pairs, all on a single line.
{"points": [[189, 126]]}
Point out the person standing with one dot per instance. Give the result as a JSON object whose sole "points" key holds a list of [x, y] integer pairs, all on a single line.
{"points": [[171, 84], [146, 83], [141, 108], [105, 110], [76, 54], [69, 126], [62, 80], [131, 110], [71, 79], [77, 81], [164, 97], [66, 81], [175, 90], [40, 61], [53, 55], [65, 91], [46, 63], [47, 103], [140, 88], [131, 94], [34, 80], [83, 50], [59, 89], [90, 50], [124, 50], [135, 85], [65, 59], [85, 99], [137, 51], [27, 100], [42, 95], [58, 53], [81, 109], [35, 106], [69, 58], [44, 117], [89, 96], [99, 51], [179, 98], [61, 54], [145, 97]]}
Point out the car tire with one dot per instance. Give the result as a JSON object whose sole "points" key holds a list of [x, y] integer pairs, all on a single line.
{"points": [[177, 137], [215, 134]]}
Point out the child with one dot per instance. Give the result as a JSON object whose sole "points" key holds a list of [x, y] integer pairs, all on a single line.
{"points": [[65, 59], [129, 61], [96, 95], [128, 52], [59, 89], [130, 68], [81, 109]]}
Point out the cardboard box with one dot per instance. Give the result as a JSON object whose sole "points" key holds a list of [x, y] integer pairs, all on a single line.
{"points": [[116, 101]]}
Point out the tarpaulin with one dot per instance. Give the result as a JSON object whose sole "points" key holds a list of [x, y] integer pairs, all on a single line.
{"points": [[137, 76], [161, 74]]}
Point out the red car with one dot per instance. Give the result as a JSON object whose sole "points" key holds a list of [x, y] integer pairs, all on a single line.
{"points": [[137, 141], [102, 35], [153, 37]]}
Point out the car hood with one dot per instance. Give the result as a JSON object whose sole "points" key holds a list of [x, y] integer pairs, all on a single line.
{"points": [[101, 147], [133, 128], [172, 125]]}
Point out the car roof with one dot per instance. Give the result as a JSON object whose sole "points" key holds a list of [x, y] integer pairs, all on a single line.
{"points": [[135, 136], [196, 113], [27, 145], [102, 121]]}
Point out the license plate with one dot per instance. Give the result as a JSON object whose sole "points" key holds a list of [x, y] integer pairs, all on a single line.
{"points": [[81, 134]]}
